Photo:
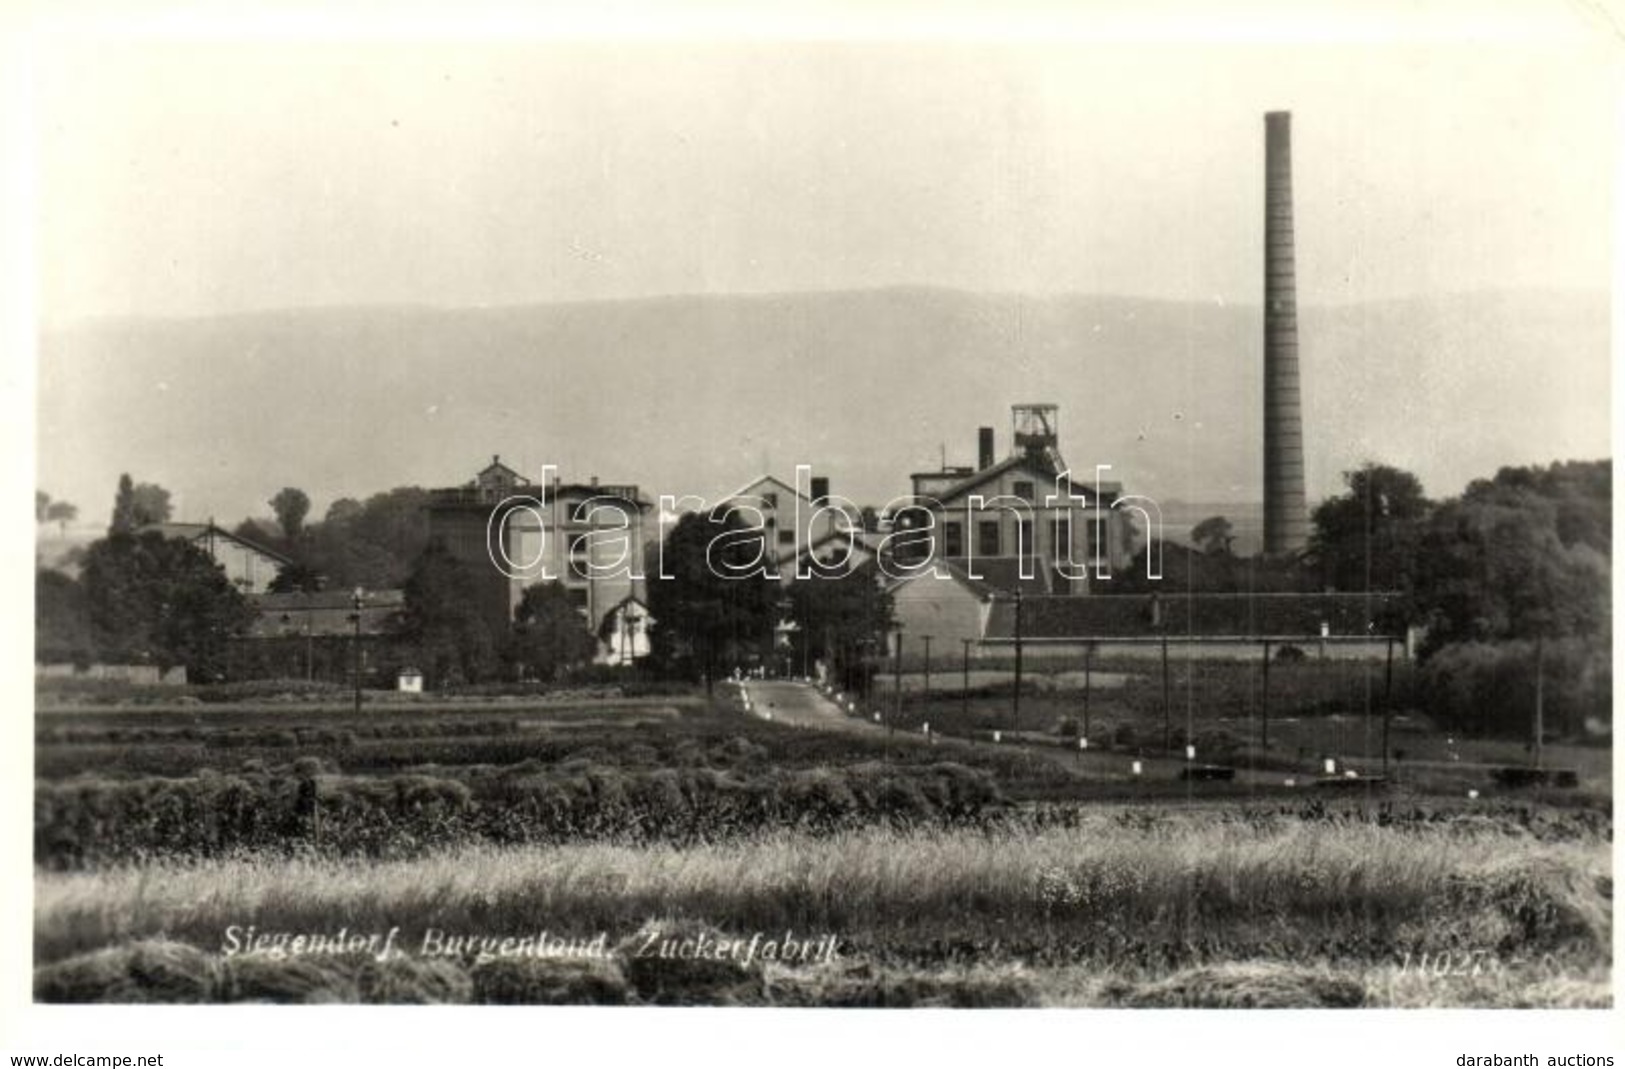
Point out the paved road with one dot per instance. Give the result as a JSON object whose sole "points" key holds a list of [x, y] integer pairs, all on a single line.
{"points": [[803, 705], [800, 704]]}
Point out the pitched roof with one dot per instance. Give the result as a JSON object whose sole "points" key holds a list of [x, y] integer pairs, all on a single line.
{"points": [[934, 569], [192, 532], [774, 480], [496, 465], [1021, 460], [324, 613], [1082, 616]]}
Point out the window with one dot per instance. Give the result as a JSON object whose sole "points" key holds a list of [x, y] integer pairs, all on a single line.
{"points": [[1024, 539], [1024, 489], [578, 598], [771, 500], [953, 539], [787, 538], [987, 538]]}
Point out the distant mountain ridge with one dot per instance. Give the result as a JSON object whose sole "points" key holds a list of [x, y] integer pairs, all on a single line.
{"points": [[695, 395]]}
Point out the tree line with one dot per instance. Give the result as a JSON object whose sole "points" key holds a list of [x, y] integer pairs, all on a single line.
{"points": [[1514, 568]]}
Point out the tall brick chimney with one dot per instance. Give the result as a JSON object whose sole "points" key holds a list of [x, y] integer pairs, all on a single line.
{"points": [[1286, 516]]}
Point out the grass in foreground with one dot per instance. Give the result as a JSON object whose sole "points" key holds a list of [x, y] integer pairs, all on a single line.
{"points": [[1192, 911]]}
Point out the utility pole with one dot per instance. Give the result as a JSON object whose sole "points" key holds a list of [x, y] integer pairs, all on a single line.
{"points": [[964, 684], [356, 600], [1540, 696], [927, 640], [1387, 702], [897, 682], [1088, 665], [1015, 703], [1167, 697], [1264, 704]]}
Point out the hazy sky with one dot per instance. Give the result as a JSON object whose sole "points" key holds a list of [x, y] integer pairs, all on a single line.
{"points": [[180, 179]]}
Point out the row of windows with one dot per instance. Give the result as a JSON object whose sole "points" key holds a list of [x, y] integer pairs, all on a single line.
{"points": [[989, 538]]}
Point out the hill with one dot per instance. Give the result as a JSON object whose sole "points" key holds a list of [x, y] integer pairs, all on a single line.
{"points": [[698, 394]]}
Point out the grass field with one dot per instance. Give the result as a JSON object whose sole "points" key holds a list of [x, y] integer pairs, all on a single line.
{"points": [[959, 873]]}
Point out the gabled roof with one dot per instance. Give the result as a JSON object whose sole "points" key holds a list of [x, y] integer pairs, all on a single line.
{"points": [[1021, 461], [497, 467], [192, 532], [812, 550], [774, 480]]}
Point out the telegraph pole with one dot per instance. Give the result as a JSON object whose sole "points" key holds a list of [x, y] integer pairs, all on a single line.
{"points": [[1540, 696], [356, 600], [897, 681], [1015, 703], [1387, 702], [1088, 664], [1167, 698], [964, 685], [927, 640], [1264, 705]]}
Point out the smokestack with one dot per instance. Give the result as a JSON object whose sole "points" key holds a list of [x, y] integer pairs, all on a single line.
{"points": [[984, 448], [1286, 518], [820, 489]]}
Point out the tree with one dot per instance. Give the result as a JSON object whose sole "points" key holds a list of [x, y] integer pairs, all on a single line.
{"points": [[62, 630], [295, 577], [62, 513], [550, 636], [149, 504], [374, 545], [441, 621], [1496, 567], [840, 617], [42, 502], [1214, 536], [161, 600], [1366, 539], [138, 505], [291, 506], [714, 603], [123, 521]]}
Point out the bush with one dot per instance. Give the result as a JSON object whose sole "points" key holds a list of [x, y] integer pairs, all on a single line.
{"points": [[1488, 688], [80, 823]]}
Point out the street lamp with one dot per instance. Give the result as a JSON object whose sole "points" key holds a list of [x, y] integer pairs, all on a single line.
{"points": [[356, 600]]}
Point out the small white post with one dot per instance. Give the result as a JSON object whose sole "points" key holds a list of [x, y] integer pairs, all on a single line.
{"points": [[1136, 768]]}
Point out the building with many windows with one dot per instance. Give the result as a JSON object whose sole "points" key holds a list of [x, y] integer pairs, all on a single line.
{"points": [[588, 536], [1022, 521]]}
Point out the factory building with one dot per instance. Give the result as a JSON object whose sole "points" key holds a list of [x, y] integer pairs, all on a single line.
{"points": [[1023, 522], [514, 533]]}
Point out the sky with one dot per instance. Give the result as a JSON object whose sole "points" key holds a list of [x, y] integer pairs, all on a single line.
{"points": [[185, 170], [198, 177]]}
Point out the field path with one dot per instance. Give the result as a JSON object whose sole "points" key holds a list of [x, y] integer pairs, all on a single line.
{"points": [[804, 705], [799, 704]]}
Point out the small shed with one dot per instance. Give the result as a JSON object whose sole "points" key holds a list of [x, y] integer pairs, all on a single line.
{"points": [[409, 681]]}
